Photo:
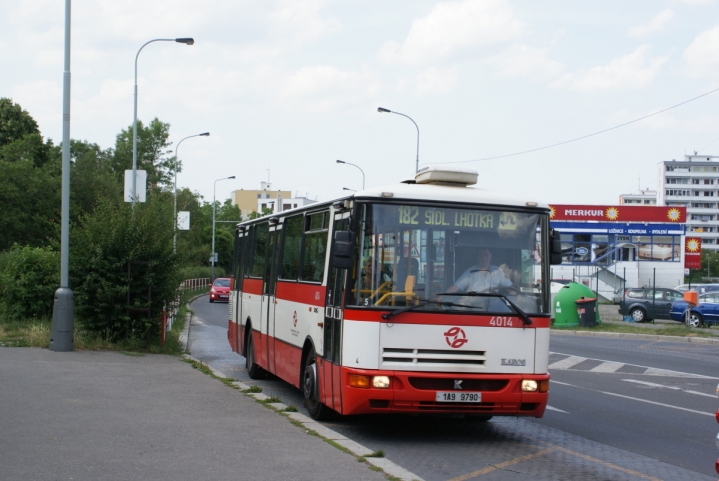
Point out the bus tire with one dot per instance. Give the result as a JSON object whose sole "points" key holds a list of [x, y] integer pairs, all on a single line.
{"points": [[253, 370], [311, 388]]}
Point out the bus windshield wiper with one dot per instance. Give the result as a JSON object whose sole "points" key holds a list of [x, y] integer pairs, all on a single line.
{"points": [[525, 318], [422, 302]]}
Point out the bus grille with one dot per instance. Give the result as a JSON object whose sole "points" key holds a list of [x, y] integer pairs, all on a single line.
{"points": [[432, 356], [446, 384]]}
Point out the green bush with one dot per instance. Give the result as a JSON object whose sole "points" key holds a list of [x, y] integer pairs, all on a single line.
{"points": [[29, 281], [101, 248]]}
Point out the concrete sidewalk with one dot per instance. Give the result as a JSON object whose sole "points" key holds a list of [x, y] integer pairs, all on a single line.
{"points": [[108, 416]]}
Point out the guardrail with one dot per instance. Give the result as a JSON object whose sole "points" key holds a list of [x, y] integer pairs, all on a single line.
{"points": [[173, 307]]}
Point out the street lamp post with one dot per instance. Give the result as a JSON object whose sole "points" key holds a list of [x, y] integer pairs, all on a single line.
{"points": [[353, 165], [383, 110], [63, 327], [212, 274], [177, 159], [133, 193]]}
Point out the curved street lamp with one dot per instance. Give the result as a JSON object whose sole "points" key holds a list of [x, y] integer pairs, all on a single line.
{"points": [[186, 41], [212, 275], [353, 165], [383, 110], [177, 159]]}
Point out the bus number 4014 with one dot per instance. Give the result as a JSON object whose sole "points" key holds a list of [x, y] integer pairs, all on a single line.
{"points": [[500, 321]]}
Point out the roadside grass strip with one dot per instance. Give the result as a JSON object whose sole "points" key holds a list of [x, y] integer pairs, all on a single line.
{"points": [[374, 460]]}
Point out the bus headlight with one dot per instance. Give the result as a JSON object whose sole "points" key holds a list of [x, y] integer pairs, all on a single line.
{"points": [[529, 385], [380, 382]]}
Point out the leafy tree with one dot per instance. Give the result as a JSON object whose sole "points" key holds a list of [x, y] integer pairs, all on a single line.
{"points": [[29, 281], [30, 147], [106, 240], [91, 178], [30, 200], [15, 123], [153, 154]]}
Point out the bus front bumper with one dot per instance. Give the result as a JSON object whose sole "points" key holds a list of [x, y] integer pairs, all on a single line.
{"points": [[417, 392]]}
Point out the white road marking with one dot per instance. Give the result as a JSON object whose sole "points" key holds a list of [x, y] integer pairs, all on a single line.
{"points": [[557, 410], [611, 366], [673, 388], [636, 399], [567, 363], [608, 366]]}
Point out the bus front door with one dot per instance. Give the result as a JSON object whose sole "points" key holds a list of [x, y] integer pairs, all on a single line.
{"points": [[332, 341]]}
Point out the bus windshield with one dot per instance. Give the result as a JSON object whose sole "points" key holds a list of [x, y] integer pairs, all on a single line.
{"points": [[449, 259]]}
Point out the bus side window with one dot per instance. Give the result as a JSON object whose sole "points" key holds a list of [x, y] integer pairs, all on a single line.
{"points": [[292, 244], [315, 247]]}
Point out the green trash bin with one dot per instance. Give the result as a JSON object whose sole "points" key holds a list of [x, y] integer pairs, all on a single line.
{"points": [[565, 307], [587, 311]]}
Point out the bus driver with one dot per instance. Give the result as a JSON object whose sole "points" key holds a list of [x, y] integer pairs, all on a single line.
{"points": [[482, 277]]}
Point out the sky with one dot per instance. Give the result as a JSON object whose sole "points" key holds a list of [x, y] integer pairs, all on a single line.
{"points": [[286, 87]]}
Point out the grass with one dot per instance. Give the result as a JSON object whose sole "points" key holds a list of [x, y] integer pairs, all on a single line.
{"points": [[253, 389], [630, 328], [36, 333], [272, 400]]}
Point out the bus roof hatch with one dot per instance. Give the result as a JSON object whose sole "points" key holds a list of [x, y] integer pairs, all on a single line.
{"points": [[446, 176]]}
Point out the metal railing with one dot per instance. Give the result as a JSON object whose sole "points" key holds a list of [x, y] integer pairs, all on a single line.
{"points": [[173, 307]]}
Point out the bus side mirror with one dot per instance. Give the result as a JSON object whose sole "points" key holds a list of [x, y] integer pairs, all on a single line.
{"points": [[555, 248], [343, 249]]}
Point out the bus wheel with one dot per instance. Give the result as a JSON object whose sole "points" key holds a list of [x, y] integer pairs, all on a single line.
{"points": [[311, 388], [255, 371]]}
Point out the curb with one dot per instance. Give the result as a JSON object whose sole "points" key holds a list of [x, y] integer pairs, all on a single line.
{"points": [[654, 337], [323, 431]]}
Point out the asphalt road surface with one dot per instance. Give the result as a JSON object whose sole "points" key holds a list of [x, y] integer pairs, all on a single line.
{"points": [[618, 410]]}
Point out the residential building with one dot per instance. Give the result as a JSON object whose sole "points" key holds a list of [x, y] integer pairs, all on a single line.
{"points": [[693, 183], [643, 197], [265, 198]]}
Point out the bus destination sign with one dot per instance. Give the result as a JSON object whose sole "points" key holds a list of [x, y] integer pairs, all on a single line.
{"points": [[418, 216]]}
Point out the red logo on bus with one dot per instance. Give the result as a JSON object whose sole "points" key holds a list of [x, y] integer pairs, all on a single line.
{"points": [[455, 337], [294, 319]]}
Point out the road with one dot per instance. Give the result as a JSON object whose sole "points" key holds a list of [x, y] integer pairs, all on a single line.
{"points": [[619, 409]]}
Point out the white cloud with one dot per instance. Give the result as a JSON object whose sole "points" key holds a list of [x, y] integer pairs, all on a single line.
{"points": [[325, 88], [702, 56], [698, 2], [436, 80], [300, 21], [655, 25], [454, 28], [629, 71], [521, 60]]}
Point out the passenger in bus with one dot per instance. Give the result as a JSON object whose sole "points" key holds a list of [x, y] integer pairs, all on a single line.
{"points": [[481, 277], [370, 280]]}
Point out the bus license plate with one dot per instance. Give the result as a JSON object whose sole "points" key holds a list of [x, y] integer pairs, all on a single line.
{"points": [[458, 397]]}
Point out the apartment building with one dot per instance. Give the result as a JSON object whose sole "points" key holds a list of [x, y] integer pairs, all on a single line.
{"points": [[265, 198], [643, 197], [693, 183]]}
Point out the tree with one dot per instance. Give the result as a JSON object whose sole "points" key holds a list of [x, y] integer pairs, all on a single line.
{"points": [[153, 154], [91, 178], [30, 200], [15, 123]]}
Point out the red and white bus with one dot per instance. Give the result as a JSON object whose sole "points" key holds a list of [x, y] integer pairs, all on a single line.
{"points": [[354, 301]]}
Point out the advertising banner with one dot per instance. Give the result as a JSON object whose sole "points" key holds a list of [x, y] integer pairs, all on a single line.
{"points": [[692, 253], [619, 213]]}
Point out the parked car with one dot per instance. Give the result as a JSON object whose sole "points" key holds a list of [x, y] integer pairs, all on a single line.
{"points": [[700, 288], [220, 290], [647, 303], [706, 312]]}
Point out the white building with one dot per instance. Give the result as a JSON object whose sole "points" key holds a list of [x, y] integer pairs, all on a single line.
{"points": [[693, 183], [280, 204], [643, 197]]}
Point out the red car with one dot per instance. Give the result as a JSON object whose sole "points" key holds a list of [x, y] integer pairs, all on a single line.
{"points": [[220, 290]]}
